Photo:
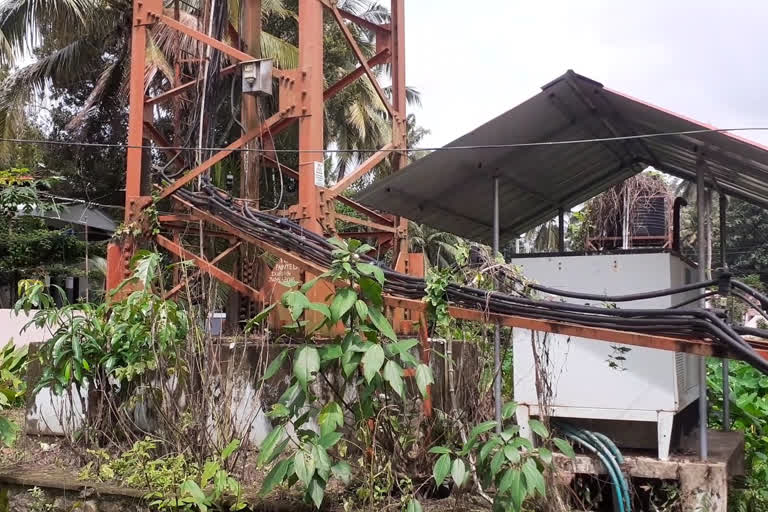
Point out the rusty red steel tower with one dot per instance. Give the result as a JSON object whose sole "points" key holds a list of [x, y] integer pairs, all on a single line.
{"points": [[301, 96]]}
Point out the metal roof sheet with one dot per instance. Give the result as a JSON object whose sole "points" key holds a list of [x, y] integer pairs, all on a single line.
{"points": [[452, 190]]}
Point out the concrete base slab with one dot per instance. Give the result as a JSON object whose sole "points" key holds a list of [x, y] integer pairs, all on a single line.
{"points": [[703, 484]]}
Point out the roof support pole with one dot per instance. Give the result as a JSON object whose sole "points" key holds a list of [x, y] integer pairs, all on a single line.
{"points": [[497, 327], [724, 266], [561, 230], [702, 272]]}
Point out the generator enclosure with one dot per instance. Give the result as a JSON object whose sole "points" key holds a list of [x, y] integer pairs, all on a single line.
{"points": [[634, 394]]}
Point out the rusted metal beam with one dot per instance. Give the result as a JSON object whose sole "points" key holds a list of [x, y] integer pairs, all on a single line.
{"points": [[204, 38], [170, 93], [378, 235], [176, 217], [311, 141], [375, 216], [362, 222], [379, 58], [159, 139], [220, 155], [361, 58], [373, 27], [176, 289], [283, 168], [209, 268], [364, 168]]}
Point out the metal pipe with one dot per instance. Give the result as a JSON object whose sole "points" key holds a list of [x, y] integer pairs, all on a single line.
{"points": [[561, 230], [679, 203], [724, 265], [497, 328], [702, 272]]}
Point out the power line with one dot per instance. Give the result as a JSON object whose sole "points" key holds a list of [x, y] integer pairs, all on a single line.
{"points": [[391, 150]]}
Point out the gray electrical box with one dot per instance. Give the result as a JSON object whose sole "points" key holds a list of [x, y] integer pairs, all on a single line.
{"points": [[257, 76]]}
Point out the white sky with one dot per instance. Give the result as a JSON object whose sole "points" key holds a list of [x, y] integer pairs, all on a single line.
{"points": [[705, 59]]}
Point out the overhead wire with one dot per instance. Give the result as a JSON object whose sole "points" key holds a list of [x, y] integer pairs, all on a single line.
{"points": [[390, 150]]}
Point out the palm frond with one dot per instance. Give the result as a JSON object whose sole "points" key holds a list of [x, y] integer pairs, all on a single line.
{"points": [[111, 76], [284, 55], [21, 21]]}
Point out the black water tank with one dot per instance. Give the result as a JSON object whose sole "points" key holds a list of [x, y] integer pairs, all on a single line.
{"points": [[650, 217]]}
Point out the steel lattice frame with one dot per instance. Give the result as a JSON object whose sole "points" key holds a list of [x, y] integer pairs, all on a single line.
{"points": [[301, 101]]}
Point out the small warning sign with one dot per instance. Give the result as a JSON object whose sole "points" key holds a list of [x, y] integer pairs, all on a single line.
{"points": [[319, 174]]}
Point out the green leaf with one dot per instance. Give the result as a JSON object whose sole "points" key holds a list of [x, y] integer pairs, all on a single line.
{"points": [[309, 284], [209, 470], [307, 363], [458, 472], [507, 479], [371, 290], [539, 428], [8, 431], [344, 300], [439, 449], [545, 455], [519, 442], [512, 454], [508, 410], [424, 378], [394, 375], [371, 270], [253, 322], [488, 447], [316, 491], [401, 346], [296, 302], [441, 469], [342, 471], [278, 411], [482, 428], [564, 447], [496, 462], [322, 461], [534, 477], [517, 490], [230, 449], [192, 489], [372, 361], [381, 323], [275, 476], [362, 309], [320, 308], [304, 465], [328, 440], [330, 416], [414, 506], [269, 445], [331, 352]]}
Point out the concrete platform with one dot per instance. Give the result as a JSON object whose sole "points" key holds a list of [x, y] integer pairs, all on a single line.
{"points": [[703, 484]]}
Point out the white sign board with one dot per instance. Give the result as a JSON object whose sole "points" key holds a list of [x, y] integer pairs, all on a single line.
{"points": [[319, 174]]}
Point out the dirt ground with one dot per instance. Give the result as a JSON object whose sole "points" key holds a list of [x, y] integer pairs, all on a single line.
{"points": [[53, 465]]}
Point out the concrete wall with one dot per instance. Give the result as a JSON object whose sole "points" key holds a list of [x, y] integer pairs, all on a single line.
{"points": [[11, 327], [248, 401]]}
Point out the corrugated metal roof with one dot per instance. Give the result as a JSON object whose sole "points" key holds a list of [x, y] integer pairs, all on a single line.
{"points": [[452, 190]]}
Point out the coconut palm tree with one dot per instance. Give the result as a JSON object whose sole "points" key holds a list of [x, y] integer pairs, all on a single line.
{"points": [[90, 39], [440, 249]]}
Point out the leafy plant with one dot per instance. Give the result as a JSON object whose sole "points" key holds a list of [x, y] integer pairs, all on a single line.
{"points": [[749, 410], [366, 356], [106, 347], [504, 460], [13, 366]]}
